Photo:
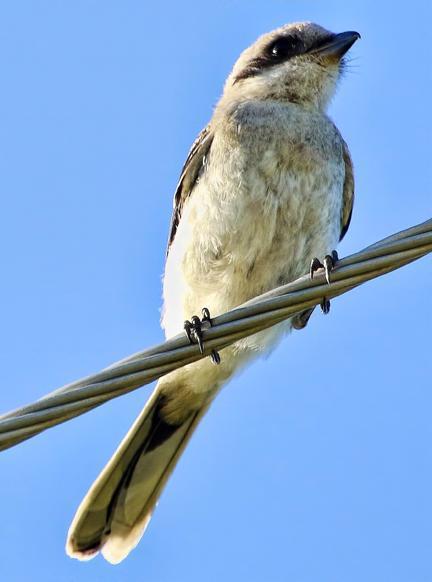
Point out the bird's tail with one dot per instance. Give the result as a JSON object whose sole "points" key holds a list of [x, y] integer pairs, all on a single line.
{"points": [[115, 512]]}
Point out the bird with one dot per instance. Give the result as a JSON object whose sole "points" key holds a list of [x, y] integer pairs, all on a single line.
{"points": [[267, 188]]}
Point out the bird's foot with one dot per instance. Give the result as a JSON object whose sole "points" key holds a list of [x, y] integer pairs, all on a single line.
{"points": [[194, 329], [328, 265]]}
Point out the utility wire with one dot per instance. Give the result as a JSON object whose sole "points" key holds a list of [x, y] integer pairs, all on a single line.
{"points": [[256, 315]]}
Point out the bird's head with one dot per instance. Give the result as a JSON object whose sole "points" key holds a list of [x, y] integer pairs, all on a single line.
{"points": [[300, 63]]}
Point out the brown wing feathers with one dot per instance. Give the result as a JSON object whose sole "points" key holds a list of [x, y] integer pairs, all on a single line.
{"points": [[348, 192], [191, 171]]}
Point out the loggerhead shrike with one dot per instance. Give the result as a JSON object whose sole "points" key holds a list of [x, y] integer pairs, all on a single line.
{"points": [[267, 186]]}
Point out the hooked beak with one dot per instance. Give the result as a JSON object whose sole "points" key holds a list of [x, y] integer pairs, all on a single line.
{"points": [[338, 45]]}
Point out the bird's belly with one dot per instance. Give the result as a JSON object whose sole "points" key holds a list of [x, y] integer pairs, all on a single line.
{"points": [[228, 250]]}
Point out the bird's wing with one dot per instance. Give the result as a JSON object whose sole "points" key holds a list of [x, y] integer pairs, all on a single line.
{"points": [[194, 165], [348, 192]]}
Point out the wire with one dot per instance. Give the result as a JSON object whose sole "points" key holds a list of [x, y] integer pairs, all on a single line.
{"points": [[256, 315]]}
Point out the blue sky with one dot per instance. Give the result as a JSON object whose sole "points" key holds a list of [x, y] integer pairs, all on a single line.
{"points": [[314, 465]]}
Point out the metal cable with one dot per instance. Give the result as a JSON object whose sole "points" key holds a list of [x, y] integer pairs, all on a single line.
{"points": [[256, 315]]}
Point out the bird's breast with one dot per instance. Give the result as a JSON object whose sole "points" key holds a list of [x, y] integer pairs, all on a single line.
{"points": [[269, 201]]}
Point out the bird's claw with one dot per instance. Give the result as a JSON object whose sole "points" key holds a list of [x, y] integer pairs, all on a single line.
{"points": [[325, 305], [194, 329], [328, 265], [315, 266]]}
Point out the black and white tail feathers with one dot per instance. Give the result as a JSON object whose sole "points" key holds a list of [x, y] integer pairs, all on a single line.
{"points": [[115, 512]]}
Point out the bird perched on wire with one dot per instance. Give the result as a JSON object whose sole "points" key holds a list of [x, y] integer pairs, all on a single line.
{"points": [[267, 187]]}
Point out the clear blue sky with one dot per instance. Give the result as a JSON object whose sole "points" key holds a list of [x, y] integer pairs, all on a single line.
{"points": [[314, 465]]}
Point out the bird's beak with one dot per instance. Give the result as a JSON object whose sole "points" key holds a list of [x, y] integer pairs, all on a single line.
{"points": [[336, 47]]}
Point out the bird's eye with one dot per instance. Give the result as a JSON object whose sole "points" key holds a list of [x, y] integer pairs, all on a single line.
{"points": [[285, 47]]}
